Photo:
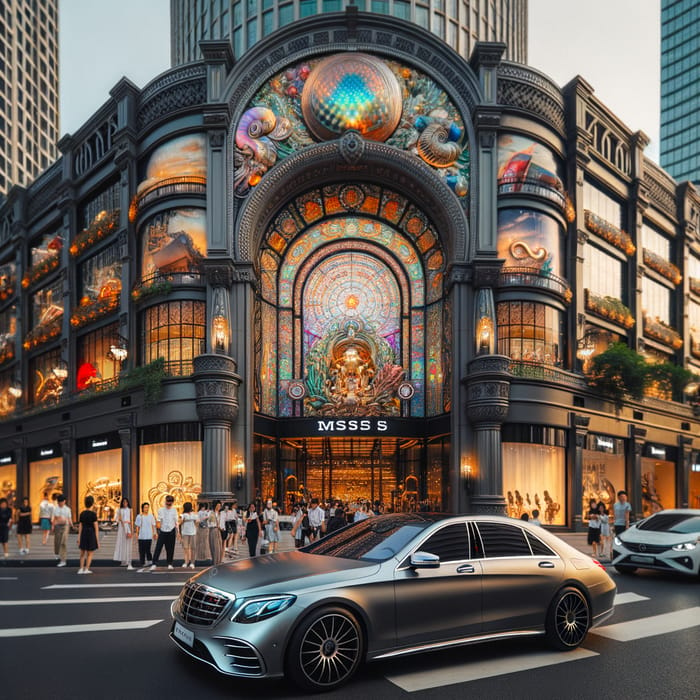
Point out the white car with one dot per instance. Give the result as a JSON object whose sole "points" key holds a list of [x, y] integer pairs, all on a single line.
{"points": [[666, 541]]}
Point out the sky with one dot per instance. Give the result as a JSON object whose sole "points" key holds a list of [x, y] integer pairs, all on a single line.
{"points": [[613, 44]]}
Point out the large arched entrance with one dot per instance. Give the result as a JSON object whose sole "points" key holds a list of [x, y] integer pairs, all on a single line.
{"points": [[352, 346]]}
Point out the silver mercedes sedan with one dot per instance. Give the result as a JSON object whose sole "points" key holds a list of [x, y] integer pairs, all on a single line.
{"points": [[385, 587]]}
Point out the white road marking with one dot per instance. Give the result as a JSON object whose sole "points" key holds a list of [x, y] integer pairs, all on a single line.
{"points": [[82, 601], [412, 682], [650, 626], [8, 578], [57, 586], [71, 629], [622, 598]]}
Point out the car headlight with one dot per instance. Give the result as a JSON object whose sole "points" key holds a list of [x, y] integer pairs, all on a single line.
{"points": [[684, 547], [260, 608], [617, 541]]}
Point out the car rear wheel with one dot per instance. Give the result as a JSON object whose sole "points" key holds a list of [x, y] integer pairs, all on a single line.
{"points": [[625, 569], [568, 619], [325, 650]]}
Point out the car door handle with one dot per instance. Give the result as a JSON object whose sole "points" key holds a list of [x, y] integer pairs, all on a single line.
{"points": [[546, 565], [465, 569]]}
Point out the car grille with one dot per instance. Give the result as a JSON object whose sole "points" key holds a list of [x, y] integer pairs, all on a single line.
{"points": [[202, 605], [645, 548], [244, 658]]}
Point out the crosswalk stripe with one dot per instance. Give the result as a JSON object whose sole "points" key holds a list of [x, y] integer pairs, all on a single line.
{"points": [[622, 598], [83, 601], [70, 629], [650, 626], [86, 586], [414, 681]]}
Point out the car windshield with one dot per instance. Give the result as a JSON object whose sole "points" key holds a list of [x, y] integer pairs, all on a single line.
{"points": [[680, 523], [373, 539]]}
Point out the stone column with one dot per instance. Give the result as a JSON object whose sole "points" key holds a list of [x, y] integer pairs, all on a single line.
{"points": [[683, 465], [579, 430], [216, 384], [488, 382], [634, 469]]}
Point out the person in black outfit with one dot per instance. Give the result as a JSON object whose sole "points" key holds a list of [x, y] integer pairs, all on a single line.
{"points": [[253, 528], [87, 535], [5, 524], [24, 525], [336, 521]]}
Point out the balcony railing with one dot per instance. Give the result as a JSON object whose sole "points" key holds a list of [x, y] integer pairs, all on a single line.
{"points": [[611, 233], [609, 308], [530, 277], [537, 370], [533, 185], [664, 267], [162, 283], [183, 184], [658, 330]]}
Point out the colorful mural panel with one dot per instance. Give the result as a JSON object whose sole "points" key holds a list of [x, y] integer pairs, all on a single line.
{"points": [[173, 242], [524, 164], [320, 99], [182, 158], [529, 239]]}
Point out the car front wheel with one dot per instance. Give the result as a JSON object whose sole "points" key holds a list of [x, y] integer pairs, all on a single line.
{"points": [[568, 619], [325, 650]]}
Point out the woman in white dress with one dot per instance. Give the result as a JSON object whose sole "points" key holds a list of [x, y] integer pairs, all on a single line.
{"points": [[125, 529], [272, 526], [188, 531]]}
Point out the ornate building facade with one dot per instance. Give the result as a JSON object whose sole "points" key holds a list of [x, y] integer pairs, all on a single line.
{"points": [[351, 264]]}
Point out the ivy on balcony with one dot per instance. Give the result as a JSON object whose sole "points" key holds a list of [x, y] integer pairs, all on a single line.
{"points": [[657, 329], [609, 308], [94, 310], [158, 287], [611, 233], [7, 351], [41, 269], [663, 267], [43, 333], [105, 223], [7, 287]]}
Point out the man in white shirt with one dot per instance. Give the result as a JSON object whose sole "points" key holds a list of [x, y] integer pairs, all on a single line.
{"points": [[168, 531], [145, 531], [316, 518], [61, 523]]}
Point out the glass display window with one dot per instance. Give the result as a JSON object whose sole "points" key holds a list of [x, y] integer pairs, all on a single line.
{"points": [[96, 365], [656, 300], [48, 246], [658, 485], [603, 205], [175, 331], [8, 280], [694, 481], [170, 468], [100, 276], [105, 201], [8, 479], [46, 476], [530, 332], [175, 163], [47, 305], [10, 393], [603, 471], [99, 476], [8, 333], [603, 274], [46, 381], [534, 478]]}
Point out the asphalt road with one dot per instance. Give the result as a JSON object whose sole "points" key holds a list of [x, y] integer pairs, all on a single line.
{"points": [[68, 636]]}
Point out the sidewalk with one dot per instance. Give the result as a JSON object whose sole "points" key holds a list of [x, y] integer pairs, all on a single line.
{"points": [[42, 555]]}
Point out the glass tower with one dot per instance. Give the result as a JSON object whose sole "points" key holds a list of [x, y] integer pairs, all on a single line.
{"points": [[680, 88], [28, 89], [461, 23]]}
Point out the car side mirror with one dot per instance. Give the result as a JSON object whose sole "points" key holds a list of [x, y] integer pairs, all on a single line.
{"points": [[424, 560]]}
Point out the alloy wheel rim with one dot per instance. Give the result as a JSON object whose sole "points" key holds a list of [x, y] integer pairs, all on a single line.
{"points": [[330, 649], [571, 619]]}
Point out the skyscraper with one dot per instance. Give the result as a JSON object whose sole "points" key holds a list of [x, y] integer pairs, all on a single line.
{"points": [[28, 89], [680, 88], [461, 23]]}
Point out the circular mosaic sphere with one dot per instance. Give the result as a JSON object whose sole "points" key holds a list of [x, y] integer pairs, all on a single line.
{"points": [[351, 91]]}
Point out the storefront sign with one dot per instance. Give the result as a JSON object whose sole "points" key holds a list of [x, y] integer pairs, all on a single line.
{"points": [[605, 443], [110, 441], [659, 452], [695, 467], [8, 458], [359, 427], [36, 454]]}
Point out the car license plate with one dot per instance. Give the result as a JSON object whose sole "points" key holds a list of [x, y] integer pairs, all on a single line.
{"points": [[641, 559], [183, 634]]}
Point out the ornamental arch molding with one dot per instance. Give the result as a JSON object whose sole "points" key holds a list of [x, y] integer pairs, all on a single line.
{"points": [[336, 162]]}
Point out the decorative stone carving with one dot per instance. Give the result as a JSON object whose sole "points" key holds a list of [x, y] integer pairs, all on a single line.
{"points": [[216, 388], [488, 389], [171, 99], [219, 273], [351, 147], [488, 505]]}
